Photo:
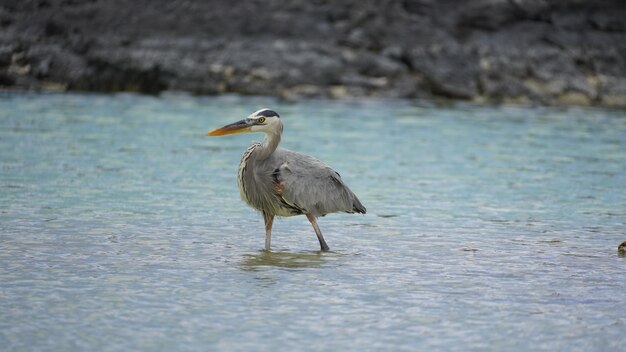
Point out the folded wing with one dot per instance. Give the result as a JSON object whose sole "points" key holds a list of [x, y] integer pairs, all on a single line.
{"points": [[313, 187]]}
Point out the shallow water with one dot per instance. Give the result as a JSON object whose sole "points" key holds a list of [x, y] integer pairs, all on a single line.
{"points": [[488, 228]]}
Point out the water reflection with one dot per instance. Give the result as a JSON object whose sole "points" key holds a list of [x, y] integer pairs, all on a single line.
{"points": [[253, 262]]}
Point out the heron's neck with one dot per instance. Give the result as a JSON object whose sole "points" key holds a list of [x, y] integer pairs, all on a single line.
{"points": [[268, 146]]}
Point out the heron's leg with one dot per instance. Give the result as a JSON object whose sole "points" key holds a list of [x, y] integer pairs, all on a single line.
{"points": [[269, 220], [320, 238]]}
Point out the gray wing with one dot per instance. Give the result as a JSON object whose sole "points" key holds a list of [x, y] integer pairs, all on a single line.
{"points": [[310, 185]]}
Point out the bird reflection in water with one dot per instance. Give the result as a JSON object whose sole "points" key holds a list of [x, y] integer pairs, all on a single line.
{"points": [[287, 260]]}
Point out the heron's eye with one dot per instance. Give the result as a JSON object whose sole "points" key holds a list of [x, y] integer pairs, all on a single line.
{"points": [[261, 119]]}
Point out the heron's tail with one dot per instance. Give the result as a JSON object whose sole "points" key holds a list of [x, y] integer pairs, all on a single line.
{"points": [[357, 207]]}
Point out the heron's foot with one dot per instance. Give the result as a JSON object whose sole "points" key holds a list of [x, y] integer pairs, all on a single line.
{"points": [[318, 233], [323, 246]]}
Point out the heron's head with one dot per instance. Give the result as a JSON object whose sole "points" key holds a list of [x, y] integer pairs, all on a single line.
{"points": [[264, 120]]}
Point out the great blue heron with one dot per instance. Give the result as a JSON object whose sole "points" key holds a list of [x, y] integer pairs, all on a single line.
{"points": [[280, 182]]}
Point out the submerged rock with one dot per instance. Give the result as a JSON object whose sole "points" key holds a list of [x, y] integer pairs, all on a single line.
{"points": [[621, 249], [550, 52]]}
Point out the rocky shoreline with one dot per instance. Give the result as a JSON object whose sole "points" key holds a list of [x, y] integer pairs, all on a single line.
{"points": [[503, 51]]}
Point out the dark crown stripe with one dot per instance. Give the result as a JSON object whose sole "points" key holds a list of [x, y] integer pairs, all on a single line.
{"points": [[268, 113]]}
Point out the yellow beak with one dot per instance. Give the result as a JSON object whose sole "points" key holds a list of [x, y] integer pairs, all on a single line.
{"points": [[237, 127]]}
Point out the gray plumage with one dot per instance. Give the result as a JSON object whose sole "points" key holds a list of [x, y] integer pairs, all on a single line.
{"points": [[281, 182]]}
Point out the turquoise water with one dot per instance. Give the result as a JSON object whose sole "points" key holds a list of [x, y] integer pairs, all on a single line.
{"points": [[488, 228]]}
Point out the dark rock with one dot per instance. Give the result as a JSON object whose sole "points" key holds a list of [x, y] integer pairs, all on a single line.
{"points": [[550, 52], [621, 249], [6, 54], [53, 28], [6, 80], [451, 71]]}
